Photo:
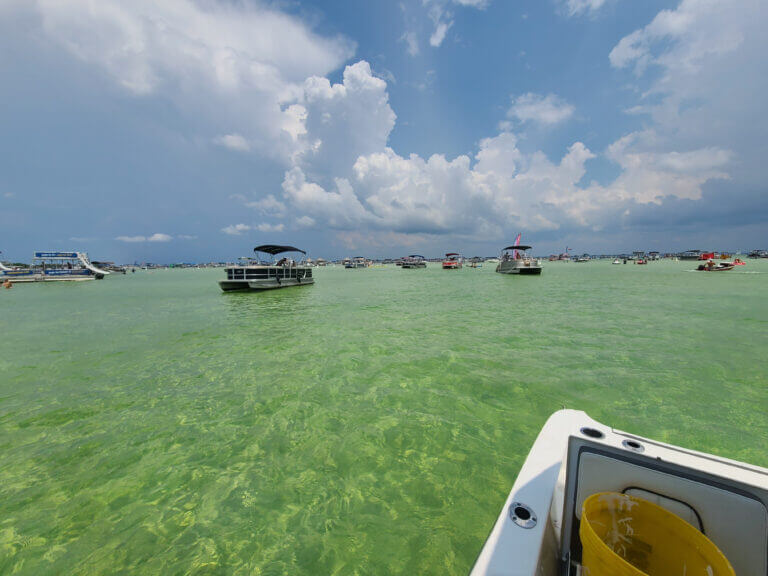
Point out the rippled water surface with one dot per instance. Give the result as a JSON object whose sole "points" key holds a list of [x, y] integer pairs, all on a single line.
{"points": [[370, 424]]}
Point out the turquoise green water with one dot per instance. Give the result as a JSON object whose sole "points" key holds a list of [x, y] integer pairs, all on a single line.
{"points": [[370, 424]]}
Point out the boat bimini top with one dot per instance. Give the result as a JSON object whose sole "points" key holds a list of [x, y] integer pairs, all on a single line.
{"points": [[276, 249], [521, 248]]}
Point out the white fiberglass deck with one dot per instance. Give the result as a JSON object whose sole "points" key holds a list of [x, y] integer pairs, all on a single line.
{"points": [[574, 457]]}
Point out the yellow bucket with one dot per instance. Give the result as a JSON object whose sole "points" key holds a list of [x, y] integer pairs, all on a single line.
{"points": [[626, 536]]}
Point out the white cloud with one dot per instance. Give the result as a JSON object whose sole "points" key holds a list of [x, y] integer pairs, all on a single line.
{"points": [[343, 121], [236, 229], [440, 13], [707, 60], [578, 7], [225, 64], [547, 110], [233, 142], [411, 43], [266, 227], [499, 190], [186, 237], [157, 237], [441, 29]]}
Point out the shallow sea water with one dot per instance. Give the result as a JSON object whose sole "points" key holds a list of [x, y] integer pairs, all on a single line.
{"points": [[370, 424]]}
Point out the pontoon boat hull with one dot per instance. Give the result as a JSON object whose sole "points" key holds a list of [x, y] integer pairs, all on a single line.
{"points": [[258, 286]]}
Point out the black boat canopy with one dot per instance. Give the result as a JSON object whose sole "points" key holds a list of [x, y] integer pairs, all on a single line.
{"points": [[452, 254], [521, 247], [275, 249], [416, 256]]}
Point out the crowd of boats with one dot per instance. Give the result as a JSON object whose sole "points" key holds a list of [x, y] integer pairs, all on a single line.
{"points": [[264, 271]]}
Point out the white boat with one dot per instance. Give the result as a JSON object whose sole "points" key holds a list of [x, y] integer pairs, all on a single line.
{"points": [[516, 260], [252, 274], [616, 261], [453, 261], [574, 457], [414, 261], [356, 262], [55, 267]]}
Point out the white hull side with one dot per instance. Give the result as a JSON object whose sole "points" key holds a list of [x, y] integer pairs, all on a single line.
{"points": [[258, 285]]}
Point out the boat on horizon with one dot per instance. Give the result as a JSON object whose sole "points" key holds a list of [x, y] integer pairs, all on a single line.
{"points": [[516, 260], [252, 274], [576, 460], [453, 261], [55, 267], [414, 261], [356, 262]]}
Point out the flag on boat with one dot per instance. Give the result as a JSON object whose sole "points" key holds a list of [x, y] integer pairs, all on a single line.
{"points": [[517, 243]]}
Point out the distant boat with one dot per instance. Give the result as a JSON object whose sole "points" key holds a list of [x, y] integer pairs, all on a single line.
{"points": [[690, 255], [414, 261], [356, 262], [55, 267], [711, 266], [616, 261], [452, 261], [515, 260], [251, 274], [582, 258]]}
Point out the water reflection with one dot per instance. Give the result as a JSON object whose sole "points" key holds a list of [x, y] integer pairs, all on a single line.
{"points": [[280, 304]]}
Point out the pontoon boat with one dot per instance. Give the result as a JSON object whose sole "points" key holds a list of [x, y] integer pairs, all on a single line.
{"points": [[414, 261], [252, 274], [452, 261], [516, 260]]}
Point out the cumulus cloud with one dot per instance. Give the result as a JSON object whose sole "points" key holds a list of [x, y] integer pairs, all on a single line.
{"points": [[131, 238], [233, 142], [485, 196], [236, 229], [703, 117], [227, 63], [266, 227], [536, 108], [342, 121]]}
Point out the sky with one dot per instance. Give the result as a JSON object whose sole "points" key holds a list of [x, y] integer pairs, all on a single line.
{"points": [[193, 130]]}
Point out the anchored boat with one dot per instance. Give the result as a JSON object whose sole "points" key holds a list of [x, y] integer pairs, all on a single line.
{"points": [[576, 461], [55, 266], [516, 260], [252, 274], [452, 261], [356, 262], [414, 261]]}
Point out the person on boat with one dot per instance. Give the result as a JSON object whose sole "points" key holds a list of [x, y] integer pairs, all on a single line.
{"points": [[7, 284], [710, 264]]}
